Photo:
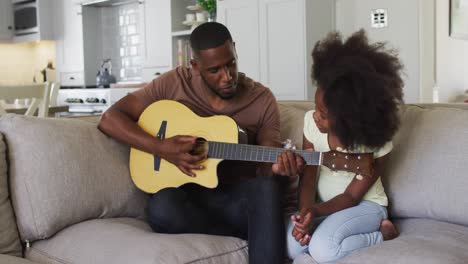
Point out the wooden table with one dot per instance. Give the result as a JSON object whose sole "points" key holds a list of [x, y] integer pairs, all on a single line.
{"points": [[21, 109]]}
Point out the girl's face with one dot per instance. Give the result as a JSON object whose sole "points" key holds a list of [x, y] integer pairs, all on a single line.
{"points": [[321, 116]]}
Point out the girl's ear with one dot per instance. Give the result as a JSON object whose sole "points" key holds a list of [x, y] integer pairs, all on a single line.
{"points": [[234, 49]]}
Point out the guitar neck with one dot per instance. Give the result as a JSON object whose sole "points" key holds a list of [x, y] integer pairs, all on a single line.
{"points": [[244, 152]]}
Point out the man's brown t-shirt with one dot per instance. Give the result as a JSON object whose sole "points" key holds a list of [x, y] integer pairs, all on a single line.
{"points": [[253, 108]]}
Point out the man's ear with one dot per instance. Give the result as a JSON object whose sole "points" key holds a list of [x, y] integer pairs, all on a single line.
{"points": [[194, 65]]}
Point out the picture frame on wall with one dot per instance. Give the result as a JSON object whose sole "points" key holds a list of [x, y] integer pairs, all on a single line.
{"points": [[458, 19]]}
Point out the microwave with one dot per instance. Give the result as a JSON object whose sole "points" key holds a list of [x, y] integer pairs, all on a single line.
{"points": [[25, 18]]}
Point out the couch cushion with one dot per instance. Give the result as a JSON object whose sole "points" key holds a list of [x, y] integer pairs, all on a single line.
{"points": [[420, 241], [292, 120], [6, 259], [427, 173], [66, 171], [126, 240], [9, 239]]}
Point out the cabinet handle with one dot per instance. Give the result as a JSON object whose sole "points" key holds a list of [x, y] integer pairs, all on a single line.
{"points": [[157, 74], [10, 28], [72, 78]]}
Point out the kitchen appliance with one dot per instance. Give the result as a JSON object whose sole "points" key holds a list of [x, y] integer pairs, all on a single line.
{"points": [[25, 18], [104, 76], [91, 101]]}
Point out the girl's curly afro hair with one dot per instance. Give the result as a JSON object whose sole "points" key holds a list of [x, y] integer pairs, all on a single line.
{"points": [[362, 88]]}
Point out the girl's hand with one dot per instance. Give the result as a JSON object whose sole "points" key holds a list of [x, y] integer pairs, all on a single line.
{"points": [[303, 225]]}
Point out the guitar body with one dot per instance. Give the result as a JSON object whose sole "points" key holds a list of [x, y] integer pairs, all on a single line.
{"points": [[180, 120]]}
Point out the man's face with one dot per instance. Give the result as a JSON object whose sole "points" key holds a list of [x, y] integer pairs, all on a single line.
{"points": [[218, 68]]}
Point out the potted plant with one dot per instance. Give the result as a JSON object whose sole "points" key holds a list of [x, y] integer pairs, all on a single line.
{"points": [[210, 7]]}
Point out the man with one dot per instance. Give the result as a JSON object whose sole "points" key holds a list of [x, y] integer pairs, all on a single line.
{"points": [[246, 203]]}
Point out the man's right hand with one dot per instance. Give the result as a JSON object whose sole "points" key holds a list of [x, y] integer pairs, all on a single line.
{"points": [[177, 149]]}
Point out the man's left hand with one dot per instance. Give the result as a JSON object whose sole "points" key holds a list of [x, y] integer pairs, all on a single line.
{"points": [[288, 164]]}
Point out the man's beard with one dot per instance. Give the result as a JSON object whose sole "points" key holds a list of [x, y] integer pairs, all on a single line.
{"points": [[213, 89]]}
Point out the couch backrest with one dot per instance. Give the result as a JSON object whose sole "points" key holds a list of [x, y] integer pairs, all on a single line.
{"points": [[9, 239], [292, 119], [66, 171], [427, 173]]}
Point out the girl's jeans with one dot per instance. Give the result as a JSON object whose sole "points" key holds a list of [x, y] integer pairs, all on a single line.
{"points": [[341, 233]]}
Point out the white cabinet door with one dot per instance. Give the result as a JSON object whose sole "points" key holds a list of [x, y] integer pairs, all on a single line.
{"points": [[6, 20], [270, 41], [282, 41], [241, 18], [156, 27], [69, 37]]}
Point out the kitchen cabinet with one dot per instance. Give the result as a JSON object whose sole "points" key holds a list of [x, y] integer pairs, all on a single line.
{"points": [[6, 21], [163, 31], [69, 43], [156, 25], [274, 39], [43, 28], [241, 18], [182, 29]]}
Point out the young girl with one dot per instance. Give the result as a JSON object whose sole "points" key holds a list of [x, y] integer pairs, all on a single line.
{"points": [[356, 110]]}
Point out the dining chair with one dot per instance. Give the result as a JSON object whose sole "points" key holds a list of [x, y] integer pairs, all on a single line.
{"points": [[39, 93], [54, 90]]}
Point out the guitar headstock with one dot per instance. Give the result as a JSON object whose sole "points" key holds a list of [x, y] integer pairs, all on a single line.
{"points": [[360, 163]]}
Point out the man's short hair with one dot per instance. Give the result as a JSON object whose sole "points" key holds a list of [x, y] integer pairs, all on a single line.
{"points": [[209, 35]]}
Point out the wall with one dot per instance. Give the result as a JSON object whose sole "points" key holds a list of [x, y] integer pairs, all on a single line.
{"points": [[20, 62], [320, 19], [452, 57], [405, 19]]}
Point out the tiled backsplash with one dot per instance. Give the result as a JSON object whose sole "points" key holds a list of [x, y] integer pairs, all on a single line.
{"points": [[122, 40]]}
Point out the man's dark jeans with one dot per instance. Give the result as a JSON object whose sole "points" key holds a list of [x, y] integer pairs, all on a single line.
{"points": [[250, 209]]}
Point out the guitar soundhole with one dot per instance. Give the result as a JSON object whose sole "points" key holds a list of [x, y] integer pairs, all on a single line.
{"points": [[201, 147]]}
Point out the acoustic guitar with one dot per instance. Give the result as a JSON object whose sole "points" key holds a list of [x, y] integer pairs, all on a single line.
{"points": [[218, 137]]}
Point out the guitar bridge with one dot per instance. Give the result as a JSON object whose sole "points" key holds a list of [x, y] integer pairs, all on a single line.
{"points": [[161, 135]]}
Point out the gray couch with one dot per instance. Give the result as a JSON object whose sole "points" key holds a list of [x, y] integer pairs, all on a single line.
{"points": [[71, 200]]}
